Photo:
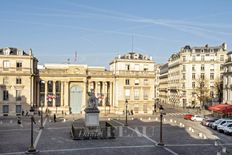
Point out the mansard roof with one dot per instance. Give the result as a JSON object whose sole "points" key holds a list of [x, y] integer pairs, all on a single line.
{"points": [[134, 56], [12, 51], [205, 48]]}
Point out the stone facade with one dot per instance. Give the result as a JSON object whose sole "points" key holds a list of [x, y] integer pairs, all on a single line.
{"points": [[227, 80], [190, 64], [134, 80], [18, 79], [163, 84]]}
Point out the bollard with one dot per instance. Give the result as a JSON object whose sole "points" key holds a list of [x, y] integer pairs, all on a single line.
{"points": [[156, 119], [149, 118], [192, 130], [141, 119], [108, 119], [64, 120], [132, 118], [171, 120], [224, 150], [180, 124], [204, 137], [175, 121], [183, 125]]}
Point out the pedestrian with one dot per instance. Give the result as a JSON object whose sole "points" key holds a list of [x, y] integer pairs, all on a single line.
{"points": [[132, 113], [27, 113], [19, 121], [54, 117], [22, 112]]}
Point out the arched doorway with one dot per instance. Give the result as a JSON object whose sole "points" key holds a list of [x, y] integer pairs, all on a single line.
{"points": [[75, 99]]}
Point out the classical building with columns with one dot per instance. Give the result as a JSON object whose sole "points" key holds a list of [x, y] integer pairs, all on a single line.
{"points": [[63, 87], [18, 78]]}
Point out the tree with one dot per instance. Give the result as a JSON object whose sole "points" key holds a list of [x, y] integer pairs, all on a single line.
{"points": [[219, 89], [202, 91]]}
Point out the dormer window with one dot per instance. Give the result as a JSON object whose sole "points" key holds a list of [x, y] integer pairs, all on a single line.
{"points": [[19, 52], [6, 51]]}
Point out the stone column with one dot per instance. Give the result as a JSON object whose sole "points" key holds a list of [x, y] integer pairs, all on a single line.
{"points": [[104, 84], [54, 93], [66, 94], [46, 94], [38, 93], [84, 94], [97, 84], [111, 94], [62, 93]]}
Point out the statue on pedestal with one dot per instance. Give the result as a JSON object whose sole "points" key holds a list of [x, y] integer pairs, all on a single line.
{"points": [[93, 101]]}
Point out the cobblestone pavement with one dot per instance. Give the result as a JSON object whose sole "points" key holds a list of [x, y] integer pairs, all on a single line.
{"points": [[140, 137]]}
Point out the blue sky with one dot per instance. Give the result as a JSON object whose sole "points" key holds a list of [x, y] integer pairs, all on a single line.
{"points": [[99, 30]]}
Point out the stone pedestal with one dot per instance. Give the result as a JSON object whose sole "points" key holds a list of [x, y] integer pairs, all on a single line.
{"points": [[92, 117]]}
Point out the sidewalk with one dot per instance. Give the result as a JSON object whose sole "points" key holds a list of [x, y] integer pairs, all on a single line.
{"points": [[187, 110]]}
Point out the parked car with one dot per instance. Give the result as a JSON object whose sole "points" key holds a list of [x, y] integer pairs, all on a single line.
{"points": [[197, 118], [215, 124], [208, 121], [228, 129], [188, 116], [223, 124]]}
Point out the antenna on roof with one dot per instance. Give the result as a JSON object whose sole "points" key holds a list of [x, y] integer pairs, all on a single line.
{"points": [[75, 57], [132, 43]]}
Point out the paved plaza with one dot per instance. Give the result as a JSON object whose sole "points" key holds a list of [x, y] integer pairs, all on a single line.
{"points": [[140, 137]]}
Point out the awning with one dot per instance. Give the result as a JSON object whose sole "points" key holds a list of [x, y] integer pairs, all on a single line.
{"points": [[221, 108], [227, 109]]}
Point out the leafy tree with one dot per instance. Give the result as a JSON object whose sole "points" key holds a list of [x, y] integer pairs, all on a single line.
{"points": [[202, 91], [219, 89]]}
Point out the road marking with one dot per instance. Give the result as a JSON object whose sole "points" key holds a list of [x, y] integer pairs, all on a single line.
{"points": [[148, 138], [57, 128], [114, 147], [226, 144], [38, 136], [99, 148], [11, 153]]}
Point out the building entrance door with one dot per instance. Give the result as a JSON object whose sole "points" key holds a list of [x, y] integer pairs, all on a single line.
{"points": [[75, 99]]}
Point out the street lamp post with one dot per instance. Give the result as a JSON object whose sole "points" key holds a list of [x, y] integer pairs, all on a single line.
{"points": [[161, 126], [41, 117], [32, 149], [126, 124]]}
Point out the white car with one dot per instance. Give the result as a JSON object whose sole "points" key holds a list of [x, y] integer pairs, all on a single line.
{"points": [[223, 124], [197, 118], [228, 129]]}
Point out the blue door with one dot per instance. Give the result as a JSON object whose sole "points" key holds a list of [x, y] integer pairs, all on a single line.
{"points": [[75, 99]]}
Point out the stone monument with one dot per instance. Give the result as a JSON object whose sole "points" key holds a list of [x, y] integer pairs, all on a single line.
{"points": [[92, 111], [91, 127]]}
